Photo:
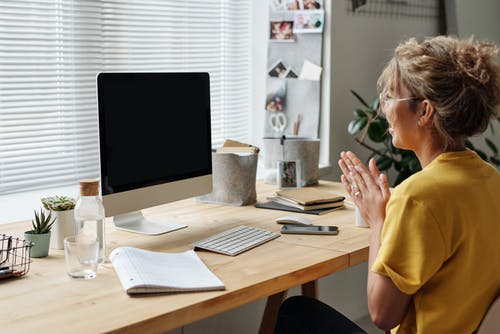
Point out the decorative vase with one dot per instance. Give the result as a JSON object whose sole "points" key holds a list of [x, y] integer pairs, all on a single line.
{"points": [[63, 227], [40, 243]]}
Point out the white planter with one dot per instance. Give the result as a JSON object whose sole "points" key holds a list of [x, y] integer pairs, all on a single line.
{"points": [[63, 227]]}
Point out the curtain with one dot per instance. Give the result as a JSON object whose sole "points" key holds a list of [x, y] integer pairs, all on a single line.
{"points": [[51, 52]]}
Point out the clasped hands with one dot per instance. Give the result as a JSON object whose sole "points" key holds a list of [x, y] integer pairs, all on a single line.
{"points": [[368, 188]]}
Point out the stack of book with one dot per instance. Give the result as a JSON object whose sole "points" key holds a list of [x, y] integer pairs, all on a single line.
{"points": [[304, 200], [233, 146]]}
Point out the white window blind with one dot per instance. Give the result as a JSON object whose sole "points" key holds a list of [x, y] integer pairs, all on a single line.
{"points": [[51, 51]]}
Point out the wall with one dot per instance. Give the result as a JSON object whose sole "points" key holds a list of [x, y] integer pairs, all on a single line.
{"points": [[361, 45], [477, 18]]}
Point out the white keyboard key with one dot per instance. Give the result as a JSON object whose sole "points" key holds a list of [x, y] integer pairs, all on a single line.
{"points": [[236, 240]]}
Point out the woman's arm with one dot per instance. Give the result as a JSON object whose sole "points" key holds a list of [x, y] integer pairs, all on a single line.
{"points": [[370, 192]]}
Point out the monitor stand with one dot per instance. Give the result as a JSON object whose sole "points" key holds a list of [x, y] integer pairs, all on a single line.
{"points": [[135, 222]]}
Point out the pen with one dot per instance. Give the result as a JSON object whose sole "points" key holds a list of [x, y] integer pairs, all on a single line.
{"points": [[296, 125]]}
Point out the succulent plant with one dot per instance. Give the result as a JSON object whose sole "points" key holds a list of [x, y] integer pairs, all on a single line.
{"points": [[42, 223], [58, 203]]}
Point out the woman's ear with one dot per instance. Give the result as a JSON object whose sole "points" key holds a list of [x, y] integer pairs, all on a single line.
{"points": [[426, 112]]}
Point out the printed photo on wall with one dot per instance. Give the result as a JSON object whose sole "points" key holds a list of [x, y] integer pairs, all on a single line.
{"points": [[277, 70], [308, 21], [276, 94], [289, 174], [277, 4], [282, 31], [294, 5], [290, 73], [312, 4]]}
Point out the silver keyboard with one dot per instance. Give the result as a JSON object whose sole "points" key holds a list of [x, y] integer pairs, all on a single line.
{"points": [[236, 240]]}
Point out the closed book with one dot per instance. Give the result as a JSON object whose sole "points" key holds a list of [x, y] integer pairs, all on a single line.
{"points": [[285, 201], [142, 272], [309, 196], [276, 206]]}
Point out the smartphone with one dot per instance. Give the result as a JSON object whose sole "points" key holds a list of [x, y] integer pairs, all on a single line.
{"points": [[310, 229]]}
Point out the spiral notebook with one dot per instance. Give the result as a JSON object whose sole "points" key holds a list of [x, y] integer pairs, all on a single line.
{"points": [[142, 272]]}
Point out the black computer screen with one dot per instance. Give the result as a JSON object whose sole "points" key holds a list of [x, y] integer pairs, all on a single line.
{"points": [[153, 127]]}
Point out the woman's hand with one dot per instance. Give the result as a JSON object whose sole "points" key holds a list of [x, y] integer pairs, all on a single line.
{"points": [[368, 188]]}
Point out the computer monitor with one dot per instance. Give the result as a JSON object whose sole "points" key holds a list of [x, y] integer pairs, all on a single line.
{"points": [[155, 144]]}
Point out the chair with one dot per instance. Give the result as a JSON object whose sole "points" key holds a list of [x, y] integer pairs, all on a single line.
{"points": [[491, 321]]}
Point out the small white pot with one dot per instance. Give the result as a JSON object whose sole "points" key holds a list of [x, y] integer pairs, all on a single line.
{"points": [[64, 226]]}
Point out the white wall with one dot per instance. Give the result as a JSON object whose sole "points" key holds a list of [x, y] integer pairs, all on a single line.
{"points": [[479, 18], [361, 45]]}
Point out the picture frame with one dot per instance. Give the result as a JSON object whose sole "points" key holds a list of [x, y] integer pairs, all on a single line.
{"points": [[289, 174]]}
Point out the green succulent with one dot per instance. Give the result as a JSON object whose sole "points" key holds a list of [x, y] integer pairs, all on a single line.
{"points": [[42, 222], [370, 124], [58, 203]]}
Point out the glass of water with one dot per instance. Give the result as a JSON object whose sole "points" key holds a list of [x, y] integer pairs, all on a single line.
{"points": [[81, 257]]}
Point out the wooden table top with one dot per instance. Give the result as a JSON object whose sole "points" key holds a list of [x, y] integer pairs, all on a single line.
{"points": [[48, 298]]}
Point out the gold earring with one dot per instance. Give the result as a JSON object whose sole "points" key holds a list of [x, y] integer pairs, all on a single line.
{"points": [[420, 123]]}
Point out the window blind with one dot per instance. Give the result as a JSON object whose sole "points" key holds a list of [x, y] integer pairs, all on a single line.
{"points": [[51, 51]]}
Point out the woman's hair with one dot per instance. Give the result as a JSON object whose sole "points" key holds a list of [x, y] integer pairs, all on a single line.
{"points": [[461, 78]]}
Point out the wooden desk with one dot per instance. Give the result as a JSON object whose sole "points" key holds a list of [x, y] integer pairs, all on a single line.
{"points": [[48, 298]]}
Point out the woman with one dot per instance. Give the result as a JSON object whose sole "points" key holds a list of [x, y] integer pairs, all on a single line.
{"points": [[434, 258]]}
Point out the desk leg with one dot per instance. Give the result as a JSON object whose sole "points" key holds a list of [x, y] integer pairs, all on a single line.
{"points": [[271, 312], [310, 289]]}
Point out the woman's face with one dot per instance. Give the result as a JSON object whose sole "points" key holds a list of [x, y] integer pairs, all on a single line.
{"points": [[402, 119]]}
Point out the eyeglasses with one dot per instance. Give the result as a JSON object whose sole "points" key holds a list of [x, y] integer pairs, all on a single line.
{"points": [[385, 100]]}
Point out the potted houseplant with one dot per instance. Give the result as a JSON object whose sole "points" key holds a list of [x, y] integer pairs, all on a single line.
{"points": [[370, 129], [62, 208], [39, 235]]}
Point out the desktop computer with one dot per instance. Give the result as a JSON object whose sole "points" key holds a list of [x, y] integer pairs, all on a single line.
{"points": [[155, 143]]}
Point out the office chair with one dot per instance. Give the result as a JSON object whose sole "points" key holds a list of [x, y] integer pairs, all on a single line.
{"points": [[491, 321]]}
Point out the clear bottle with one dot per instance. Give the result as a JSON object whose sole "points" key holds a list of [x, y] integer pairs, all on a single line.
{"points": [[89, 215]]}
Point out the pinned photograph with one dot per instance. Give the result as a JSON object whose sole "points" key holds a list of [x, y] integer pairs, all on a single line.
{"points": [[275, 98], [277, 4], [312, 4], [277, 70], [290, 73], [282, 31], [308, 21], [289, 174], [294, 5]]}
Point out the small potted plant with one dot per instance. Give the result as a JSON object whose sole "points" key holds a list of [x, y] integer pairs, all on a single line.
{"points": [[62, 208], [39, 235]]}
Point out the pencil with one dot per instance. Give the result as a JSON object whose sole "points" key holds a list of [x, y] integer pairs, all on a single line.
{"points": [[296, 125]]}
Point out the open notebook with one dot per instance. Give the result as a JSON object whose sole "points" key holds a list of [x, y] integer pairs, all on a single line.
{"points": [[141, 271]]}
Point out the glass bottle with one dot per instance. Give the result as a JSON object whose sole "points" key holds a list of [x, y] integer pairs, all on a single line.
{"points": [[89, 215]]}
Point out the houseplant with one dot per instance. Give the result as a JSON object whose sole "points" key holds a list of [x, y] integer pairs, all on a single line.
{"points": [[62, 208], [39, 235], [369, 124]]}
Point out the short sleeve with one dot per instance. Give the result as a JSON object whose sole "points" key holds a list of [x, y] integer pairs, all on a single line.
{"points": [[412, 245]]}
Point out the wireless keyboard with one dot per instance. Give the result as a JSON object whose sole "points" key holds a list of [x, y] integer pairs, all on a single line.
{"points": [[236, 240]]}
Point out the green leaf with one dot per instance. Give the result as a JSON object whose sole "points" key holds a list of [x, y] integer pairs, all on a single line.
{"points": [[383, 162], [414, 165], [495, 161], [360, 113], [356, 125], [481, 154], [403, 175], [360, 99], [377, 132], [375, 104], [469, 144], [491, 145]]}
